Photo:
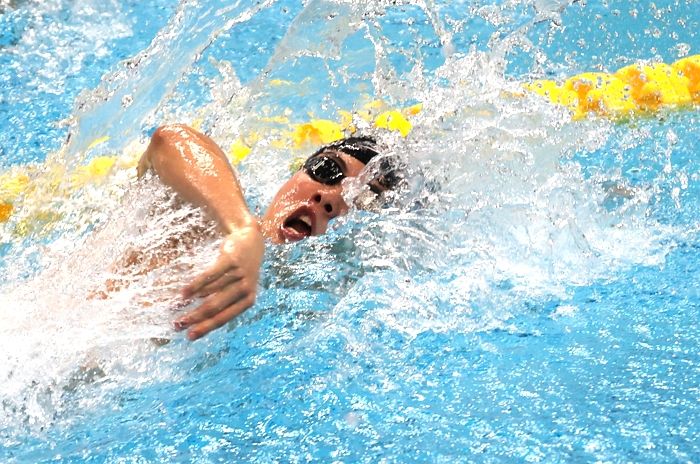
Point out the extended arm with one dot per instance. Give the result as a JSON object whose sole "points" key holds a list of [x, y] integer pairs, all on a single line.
{"points": [[195, 167]]}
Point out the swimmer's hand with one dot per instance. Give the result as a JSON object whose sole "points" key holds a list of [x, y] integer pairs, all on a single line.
{"points": [[229, 287]]}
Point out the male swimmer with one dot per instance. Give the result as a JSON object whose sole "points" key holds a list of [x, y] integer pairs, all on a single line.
{"points": [[198, 170]]}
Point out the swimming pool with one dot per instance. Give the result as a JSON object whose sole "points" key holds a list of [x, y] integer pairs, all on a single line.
{"points": [[538, 305]]}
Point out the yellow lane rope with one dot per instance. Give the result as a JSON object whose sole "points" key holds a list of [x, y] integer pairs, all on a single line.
{"points": [[634, 89], [35, 183]]}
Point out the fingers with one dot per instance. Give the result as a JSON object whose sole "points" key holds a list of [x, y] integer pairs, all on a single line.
{"points": [[204, 279], [229, 286], [227, 279], [213, 323], [217, 304], [211, 306]]}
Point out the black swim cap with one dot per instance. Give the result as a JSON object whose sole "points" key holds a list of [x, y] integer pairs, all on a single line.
{"points": [[390, 170], [362, 148]]}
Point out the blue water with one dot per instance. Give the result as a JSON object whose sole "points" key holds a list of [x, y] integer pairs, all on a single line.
{"points": [[521, 313], [51, 53]]}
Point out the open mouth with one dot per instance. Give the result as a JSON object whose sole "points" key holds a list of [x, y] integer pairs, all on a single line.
{"points": [[298, 226]]}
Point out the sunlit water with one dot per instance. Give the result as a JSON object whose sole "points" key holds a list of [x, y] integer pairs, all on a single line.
{"points": [[531, 295]]}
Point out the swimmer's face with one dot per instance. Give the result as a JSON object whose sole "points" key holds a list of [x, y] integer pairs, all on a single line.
{"points": [[304, 206]]}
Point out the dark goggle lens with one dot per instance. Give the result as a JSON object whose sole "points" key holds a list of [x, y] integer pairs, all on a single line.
{"points": [[324, 169]]}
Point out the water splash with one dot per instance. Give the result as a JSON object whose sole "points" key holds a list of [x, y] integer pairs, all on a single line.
{"points": [[501, 214]]}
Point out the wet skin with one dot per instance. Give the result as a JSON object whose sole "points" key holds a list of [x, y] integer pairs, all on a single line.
{"points": [[198, 170], [303, 207]]}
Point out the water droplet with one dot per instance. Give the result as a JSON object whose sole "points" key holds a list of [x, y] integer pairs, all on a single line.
{"points": [[127, 100]]}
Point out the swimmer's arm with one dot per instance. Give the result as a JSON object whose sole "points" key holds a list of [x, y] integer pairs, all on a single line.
{"points": [[195, 167]]}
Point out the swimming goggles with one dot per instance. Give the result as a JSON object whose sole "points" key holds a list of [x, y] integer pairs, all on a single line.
{"points": [[324, 169], [327, 170]]}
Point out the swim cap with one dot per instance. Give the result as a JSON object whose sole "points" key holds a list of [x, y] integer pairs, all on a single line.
{"points": [[362, 148], [389, 170]]}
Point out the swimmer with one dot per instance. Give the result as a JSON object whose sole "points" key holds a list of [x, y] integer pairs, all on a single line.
{"points": [[197, 169]]}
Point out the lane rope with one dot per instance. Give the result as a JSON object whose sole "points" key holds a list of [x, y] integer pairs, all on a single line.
{"points": [[638, 89]]}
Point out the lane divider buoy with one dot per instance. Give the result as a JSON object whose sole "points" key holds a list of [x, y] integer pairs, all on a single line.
{"points": [[635, 89]]}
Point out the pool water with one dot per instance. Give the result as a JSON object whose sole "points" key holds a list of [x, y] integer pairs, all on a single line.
{"points": [[531, 296]]}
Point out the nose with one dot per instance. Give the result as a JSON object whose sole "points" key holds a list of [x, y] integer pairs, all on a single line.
{"points": [[333, 205]]}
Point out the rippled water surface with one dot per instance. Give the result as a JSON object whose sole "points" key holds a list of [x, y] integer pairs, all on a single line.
{"points": [[532, 294]]}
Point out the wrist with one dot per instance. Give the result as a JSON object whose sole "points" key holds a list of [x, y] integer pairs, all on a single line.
{"points": [[247, 221]]}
